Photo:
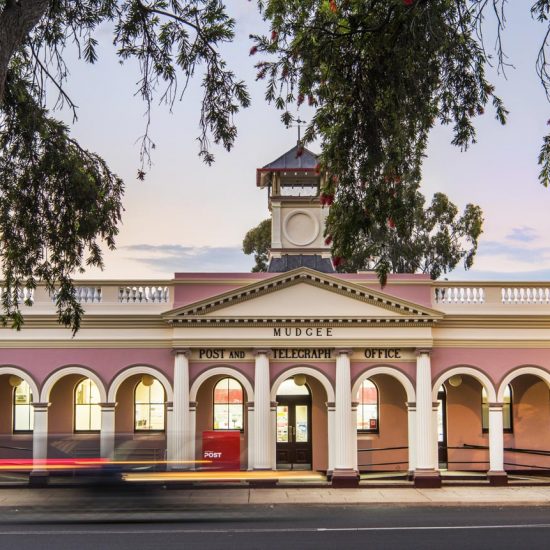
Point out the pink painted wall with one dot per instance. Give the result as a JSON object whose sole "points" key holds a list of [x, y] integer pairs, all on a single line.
{"points": [[319, 428], [196, 369], [494, 362], [328, 369], [408, 369], [393, 429], [106, 363]]}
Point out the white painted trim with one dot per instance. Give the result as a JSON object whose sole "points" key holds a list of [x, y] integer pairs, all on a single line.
{"points": [[223, 371], [390, 371], [140, 369], [535, 371], [24, 376], [65, 371], [310, 371], [482, 378]]}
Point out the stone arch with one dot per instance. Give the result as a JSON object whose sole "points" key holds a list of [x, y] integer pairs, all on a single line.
{"points": [[140, 369], [481, 377], [65, 371], [10, 369], [526, 369], [310, 371], [224, 371], [390, 371]]}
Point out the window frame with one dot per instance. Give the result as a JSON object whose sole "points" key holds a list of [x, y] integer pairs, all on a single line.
{"points": [[89, 405], [148, 430], [30, 407], [214, 405], [370, 430], [510, 430]]}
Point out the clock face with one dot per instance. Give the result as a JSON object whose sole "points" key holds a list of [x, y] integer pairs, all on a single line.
{"points": [[301, 228]]}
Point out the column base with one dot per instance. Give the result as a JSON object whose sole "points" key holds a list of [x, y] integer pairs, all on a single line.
{"points": [[39, 478], [497, 479], [427, 479], [344, 478]]}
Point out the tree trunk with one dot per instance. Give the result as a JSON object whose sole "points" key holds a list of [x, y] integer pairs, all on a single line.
{"points": [[17, 20]]}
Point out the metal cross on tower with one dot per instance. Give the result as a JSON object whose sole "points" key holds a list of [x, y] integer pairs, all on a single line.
{"points": [[299, 122]]}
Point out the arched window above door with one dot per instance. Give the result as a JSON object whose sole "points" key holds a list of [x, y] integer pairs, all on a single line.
{"points": [[87, 412], [228, 410], [368, 407]]}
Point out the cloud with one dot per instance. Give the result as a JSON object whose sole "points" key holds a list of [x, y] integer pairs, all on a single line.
{"points": [[483, 275], [523, 234], [178, 258], [516, 253]]}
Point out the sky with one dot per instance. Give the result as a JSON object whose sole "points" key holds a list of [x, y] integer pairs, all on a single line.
{"points": [[187, 216]]}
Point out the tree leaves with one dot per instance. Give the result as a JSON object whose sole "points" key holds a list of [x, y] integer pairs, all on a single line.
{"points": [[258, 241]]}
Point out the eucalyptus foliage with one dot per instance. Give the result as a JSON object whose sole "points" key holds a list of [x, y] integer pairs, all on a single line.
{"points": [[381, 74], [58, 201], [257, 241]]}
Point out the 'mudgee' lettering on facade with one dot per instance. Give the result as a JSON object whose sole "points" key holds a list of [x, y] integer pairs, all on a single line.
{"points": [[297, 331], [320, 353]]}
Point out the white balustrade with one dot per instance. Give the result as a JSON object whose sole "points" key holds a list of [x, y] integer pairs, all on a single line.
{"points": [[143, 294], [24, 295], [84, 294], [459, 295], [525, 295]]}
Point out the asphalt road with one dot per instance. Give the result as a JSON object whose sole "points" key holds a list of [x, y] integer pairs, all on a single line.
{"points": [[285, 527]]}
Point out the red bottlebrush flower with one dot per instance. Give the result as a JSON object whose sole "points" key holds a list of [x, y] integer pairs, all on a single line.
{"points": [[299, 151], [328, 240], [318, 167], [337, 261], [310, 100], [326, 200], [301, 98], [333, 6], [391, 223], [480, 110], [284, 72], [253, 50], [274, 35], [408, 2]]}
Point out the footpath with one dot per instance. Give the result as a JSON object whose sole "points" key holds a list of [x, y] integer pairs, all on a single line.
{"points": [[66, 500]]}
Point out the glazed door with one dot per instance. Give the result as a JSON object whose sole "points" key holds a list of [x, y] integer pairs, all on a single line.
{"points": [[294, 432]]}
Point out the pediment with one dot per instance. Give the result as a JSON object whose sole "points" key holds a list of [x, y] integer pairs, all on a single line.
{"points": [[303, 295]]}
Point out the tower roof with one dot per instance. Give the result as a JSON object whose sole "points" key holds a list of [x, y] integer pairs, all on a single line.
{"points": [[292, 160]]}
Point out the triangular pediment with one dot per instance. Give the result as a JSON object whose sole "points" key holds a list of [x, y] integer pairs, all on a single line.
{"points": [[303, 295]]}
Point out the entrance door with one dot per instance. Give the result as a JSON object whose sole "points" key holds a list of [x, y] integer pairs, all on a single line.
{"points": [[294, 432]]}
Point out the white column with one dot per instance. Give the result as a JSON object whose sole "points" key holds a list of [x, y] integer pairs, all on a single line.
{"points": [[181, 421], [107, 435], [344, 462], [169, 434], [262, 412], [425, 456], [496, 444], [250, 433], [435, 440], [40, 437], [331, 409], [411, 420], [192, 433], [354, 452]]}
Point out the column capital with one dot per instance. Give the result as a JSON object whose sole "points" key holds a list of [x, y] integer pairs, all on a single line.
{"points": [[262, 351], [41, 406], [423, 351], [182, 351], [343, 351], [108, 405], [496, 406], [169, 404], [330, 404], [411, 404]]}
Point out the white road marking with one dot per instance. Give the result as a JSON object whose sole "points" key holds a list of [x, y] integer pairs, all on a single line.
{"points": [[146, 531]]}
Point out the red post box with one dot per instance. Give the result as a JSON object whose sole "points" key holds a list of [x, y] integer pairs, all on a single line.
{"points": [[222, 449]]}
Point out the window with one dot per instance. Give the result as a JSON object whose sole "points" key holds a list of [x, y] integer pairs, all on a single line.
{"points": [[87, 412], [506, 410], [149, 405], [367, 409], [23, 411], [228, 405]]}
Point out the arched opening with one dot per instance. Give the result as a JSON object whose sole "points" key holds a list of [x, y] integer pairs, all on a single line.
{"points": [[221, 399], [294, 425], [140, 417], [16, 413], [382, 423], [527, 439], [87, 412]]}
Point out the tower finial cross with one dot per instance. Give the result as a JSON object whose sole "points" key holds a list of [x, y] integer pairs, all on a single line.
{"points": [[299, 122]]}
